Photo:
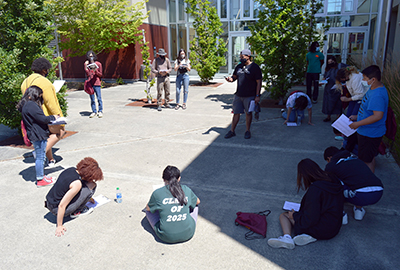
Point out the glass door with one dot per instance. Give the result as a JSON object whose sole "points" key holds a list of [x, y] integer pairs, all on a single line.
{"points": [[349, 46], [238, 43]]}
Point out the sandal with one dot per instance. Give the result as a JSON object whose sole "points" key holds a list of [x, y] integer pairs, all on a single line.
{"points": [[177, 107], [184, 106], [327, 119]]}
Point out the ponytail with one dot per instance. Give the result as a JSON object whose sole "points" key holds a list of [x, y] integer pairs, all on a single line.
{"points": [[171, 174]]}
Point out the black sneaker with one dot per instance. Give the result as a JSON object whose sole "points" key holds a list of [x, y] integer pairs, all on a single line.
{"points": [[247, 135], [230, 134], [85, 211]]}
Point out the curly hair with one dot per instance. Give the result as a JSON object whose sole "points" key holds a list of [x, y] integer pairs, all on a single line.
{"points": [[89, 170], [40, 64]]}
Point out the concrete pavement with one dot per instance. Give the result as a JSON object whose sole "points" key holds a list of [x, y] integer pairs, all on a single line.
{"points": [[134, 144]]}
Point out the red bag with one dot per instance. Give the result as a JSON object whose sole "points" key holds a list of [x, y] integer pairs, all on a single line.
{"points": [[255, 222], [25, 135], [88, 87]]}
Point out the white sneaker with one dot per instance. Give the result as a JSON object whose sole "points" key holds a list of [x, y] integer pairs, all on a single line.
{"points": [[93, 114], [52, 163], [281, 242], [100, 115], [358, 213], [345, 219], [303, 239]]}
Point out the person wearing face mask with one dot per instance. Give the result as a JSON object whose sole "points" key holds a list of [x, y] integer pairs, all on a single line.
{"points": [[315, 60], [249, 78], [161, 66], [370, 121], [51, 106], [182, 67], [331, 102], [94, 72], [353, 80]]}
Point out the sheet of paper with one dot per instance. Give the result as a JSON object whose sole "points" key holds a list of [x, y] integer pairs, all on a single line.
{"points": [[323, 82], [58, 84], [291, 205], [342, 124], [99, 201], [59, 121], [93, 65], [291, 124], [252, 106]]}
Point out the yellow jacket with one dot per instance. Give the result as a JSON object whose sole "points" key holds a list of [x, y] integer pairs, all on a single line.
{"points": [[50, 101]]}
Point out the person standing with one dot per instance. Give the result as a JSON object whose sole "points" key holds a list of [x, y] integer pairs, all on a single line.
{"points": [[249, 79], [182, 67], [51, 106], [315, 60], [94, 72], [162, 68], [37, 130]]}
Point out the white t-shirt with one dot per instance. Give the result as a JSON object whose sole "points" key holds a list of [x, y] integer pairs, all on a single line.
{"points": [[183, 62], [292, 98]]}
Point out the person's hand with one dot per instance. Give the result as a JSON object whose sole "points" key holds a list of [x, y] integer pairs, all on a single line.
{"points": [[310, 123], [87, 62], [257, 100], [163, 73], [354, 125], [60, 230], [284, 123], [345, 99], [290, 213], [353, 117]]}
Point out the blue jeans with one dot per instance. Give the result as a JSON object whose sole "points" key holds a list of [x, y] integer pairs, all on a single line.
{"points": [[293, 115], [97, 92], [40, 150], [182, 79], [353, 107]]}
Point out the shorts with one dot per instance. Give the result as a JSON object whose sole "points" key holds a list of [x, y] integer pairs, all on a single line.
{"points": [[368, 147], [361, 198], [241, 104]]}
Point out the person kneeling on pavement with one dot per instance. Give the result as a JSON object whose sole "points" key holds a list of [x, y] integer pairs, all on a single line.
{"points": [[321, 209], [73, 189], [295, 104], [361, 186]]}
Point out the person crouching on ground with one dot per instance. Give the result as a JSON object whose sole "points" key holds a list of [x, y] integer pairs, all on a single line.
{"points": [[73, 189], [321, 209], [361, 186], [168, 210], [36, 124], [295, 104]]}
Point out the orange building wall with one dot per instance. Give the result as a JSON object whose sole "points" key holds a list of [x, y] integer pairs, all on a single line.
{"points": [[124, 63]]}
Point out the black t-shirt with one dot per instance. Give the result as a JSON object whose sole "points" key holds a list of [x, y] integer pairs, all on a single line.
{"points": [[247, 77], [61, 186], [353, 172]]}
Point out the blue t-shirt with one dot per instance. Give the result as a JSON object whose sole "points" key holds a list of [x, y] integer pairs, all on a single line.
{"points": [[373, 100]]}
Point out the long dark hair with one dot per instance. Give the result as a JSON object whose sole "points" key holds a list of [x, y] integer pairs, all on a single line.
{"points": [[308, 172], [178, 58], [171, 174], [88, 55], [33, 93]]}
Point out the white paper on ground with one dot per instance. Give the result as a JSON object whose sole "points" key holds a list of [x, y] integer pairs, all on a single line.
{"points": [[99, 201], [291, 205], [58, 84], [342, 124], [291, 124], [252, 106]]}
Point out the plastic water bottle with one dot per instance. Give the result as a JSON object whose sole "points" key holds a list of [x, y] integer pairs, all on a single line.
{"points": [[119, 195]]}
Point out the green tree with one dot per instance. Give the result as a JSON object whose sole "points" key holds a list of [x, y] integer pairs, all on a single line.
{"points": [[147, 67], [26, 31], [100, 25], [207, 49], [280, 39]]}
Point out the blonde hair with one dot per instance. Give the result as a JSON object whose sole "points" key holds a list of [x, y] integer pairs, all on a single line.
{"points": [[343, 73]]}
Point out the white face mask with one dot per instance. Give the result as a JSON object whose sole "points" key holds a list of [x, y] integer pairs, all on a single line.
{"points": [[182, 56], [365, 84]]}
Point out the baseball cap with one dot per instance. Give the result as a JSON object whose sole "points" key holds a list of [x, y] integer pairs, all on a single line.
{"points": [[246, 52]]}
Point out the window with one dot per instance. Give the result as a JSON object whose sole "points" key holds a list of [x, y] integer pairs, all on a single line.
{"points": [[246, 8], [349, 5], [172, 11], [224, 12], [334, 6], [363, 6], [182, 10], [235, 10]]}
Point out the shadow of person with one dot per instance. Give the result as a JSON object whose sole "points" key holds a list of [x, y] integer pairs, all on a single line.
{"points": [[225, 98], [85, 113], [215, 129], [146, 225], [53, 219], [29, 174]]}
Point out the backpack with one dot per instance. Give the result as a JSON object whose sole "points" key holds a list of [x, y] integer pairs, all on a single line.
{"points": [[391, 130], [255, 222]]}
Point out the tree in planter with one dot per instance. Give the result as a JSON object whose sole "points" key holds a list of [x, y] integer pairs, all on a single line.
{"points": [[100, 25], [25, 31], [206, 50], [147, 68], [280, 39]]}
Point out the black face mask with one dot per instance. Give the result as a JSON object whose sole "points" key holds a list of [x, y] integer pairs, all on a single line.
{"points": [[47, 73], [331, 65], [41, 100], [162, 56], [243, 60]]}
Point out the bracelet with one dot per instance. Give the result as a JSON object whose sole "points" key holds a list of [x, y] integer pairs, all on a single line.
{"points": [[258, 95]]}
